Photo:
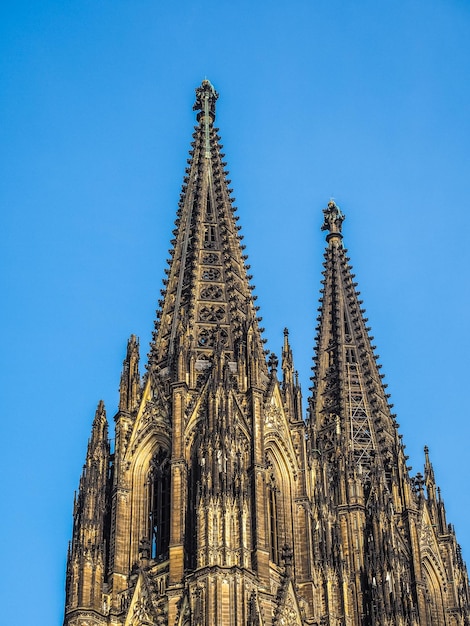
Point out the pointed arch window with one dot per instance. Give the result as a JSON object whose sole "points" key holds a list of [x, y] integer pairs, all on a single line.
{"points": [[194, 485], [159, 505], [433, 594], [209, 212], [209, 234], [347, 328]]}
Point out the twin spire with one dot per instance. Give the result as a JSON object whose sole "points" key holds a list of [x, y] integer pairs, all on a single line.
{"points": [[218, 495], [208, 307], [207, 303], [349, 407]]}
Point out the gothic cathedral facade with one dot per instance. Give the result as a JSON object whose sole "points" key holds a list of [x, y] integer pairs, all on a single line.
{"points": [[220, 505]]}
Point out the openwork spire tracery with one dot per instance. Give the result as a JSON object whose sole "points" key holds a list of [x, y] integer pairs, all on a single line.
{"points": [[207, 305], [219, 504]]}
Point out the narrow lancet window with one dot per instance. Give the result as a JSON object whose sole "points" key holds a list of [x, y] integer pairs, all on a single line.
{"points": [[194, 486], [159, 505], [209, 212], [347, 329], [209, 236], [273, 519], [350, 355]]}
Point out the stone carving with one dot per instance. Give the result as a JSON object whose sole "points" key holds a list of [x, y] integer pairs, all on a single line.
{"points": [[205, 92], [212, 293], [210, 258], [333, 218], [211, 274], [211, 314], [273, 417], [288, 615], [210, 337]]}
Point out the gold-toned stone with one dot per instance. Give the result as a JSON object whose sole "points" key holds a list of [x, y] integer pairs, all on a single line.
{"points": [[220, 505]]}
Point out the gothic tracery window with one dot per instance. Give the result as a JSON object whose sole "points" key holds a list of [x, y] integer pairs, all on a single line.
{"points": [[209, 234], [159, 505]]}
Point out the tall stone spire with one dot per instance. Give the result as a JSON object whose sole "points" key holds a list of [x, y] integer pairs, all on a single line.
{"points": [[207, 302], [377, 531], [208, 450], [351, 409]]}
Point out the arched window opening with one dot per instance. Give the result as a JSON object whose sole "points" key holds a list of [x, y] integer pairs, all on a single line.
{"points": [[209, 212], [347, 329], [273, 521], [159, 505], [194, 483], [433, 595], [209, 234]]}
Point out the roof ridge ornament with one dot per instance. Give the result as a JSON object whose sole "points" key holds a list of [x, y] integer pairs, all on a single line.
{"points": [[333, 221]]}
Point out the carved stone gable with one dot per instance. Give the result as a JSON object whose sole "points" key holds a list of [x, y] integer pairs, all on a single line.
{"points": [[288, 612], [141, 611]]}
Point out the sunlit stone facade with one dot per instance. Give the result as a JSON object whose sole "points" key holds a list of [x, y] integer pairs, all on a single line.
{"points": [[220, 504]]}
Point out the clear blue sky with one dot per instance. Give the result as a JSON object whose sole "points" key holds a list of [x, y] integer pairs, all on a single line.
{"points": [[367, 102]]}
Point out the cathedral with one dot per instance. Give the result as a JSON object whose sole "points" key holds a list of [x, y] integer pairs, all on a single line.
{"points": [[221, 503]]}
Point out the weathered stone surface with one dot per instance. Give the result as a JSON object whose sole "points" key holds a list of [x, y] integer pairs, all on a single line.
{"points": [[220, 505]]}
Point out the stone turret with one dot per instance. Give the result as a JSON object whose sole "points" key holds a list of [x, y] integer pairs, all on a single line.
{"points": [[87, 559]]}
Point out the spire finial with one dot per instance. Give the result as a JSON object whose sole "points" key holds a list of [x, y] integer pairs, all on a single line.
{"points": [[286, 340], [333, 221], [428, 469], [206, 96]]}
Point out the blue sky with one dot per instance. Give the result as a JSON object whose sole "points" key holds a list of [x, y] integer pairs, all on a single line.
{"points": [[366, 102]]}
